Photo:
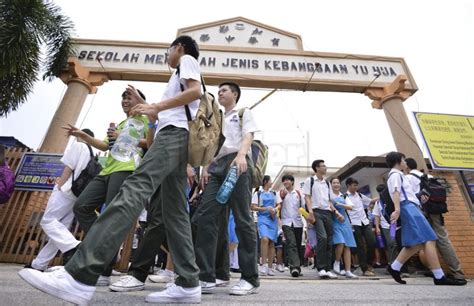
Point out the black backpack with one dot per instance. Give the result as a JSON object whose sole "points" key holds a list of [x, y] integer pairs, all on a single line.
{"points": [[87, 174], [387, 203], [437, 188]]}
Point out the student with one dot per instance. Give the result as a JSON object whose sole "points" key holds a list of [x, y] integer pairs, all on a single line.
{"points": [[343, 237], [264, 202], [382, 227], [58, 215], [164, 166], [417, 233], [364, 236], [443, 243], [239, 136], [317, 197], [103, 188], [290, 200]]}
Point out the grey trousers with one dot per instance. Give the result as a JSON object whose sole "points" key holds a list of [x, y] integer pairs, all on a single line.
{"points": [[324, 234], [163, 165], [390, 245], [208, 223], [445, 246]]}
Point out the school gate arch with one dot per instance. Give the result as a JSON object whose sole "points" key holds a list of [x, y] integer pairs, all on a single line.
{"points": [[251, 53]]}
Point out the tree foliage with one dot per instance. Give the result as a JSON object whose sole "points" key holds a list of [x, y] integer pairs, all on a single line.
{"points": [[26, 28]]}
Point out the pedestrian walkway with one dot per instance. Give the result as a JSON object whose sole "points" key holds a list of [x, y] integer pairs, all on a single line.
{"points": [[277, 290]]}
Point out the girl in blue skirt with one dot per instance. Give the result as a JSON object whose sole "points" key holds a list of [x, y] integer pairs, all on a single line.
{"points": [[343, 237], [264, 202], [417, 233]]}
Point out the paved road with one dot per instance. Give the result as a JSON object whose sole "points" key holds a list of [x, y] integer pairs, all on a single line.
{"points": [[278, 290]]}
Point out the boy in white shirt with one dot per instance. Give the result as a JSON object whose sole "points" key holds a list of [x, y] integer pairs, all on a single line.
{"points": [[234, 151], [164, 166]]}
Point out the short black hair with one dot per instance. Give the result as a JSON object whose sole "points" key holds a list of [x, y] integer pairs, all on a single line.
{"points": [[88, 132], [334, 178], [189, 44], [394, 158], [316, 164], [265, 180], [351, 180], [380, 187], [125, 93], [411, 163], [234, 87], [288, 177]]}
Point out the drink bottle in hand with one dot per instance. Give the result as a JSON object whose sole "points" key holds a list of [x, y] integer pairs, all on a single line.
{"points": [[227, 186]]}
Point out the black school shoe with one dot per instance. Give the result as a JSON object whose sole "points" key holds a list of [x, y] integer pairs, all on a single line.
{"points": [[295, 272], [396, 275], [445, 281]]}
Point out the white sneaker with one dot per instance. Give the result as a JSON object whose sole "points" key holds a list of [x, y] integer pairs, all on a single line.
{"points": [[271, 272], [127, 283], [54, 268], [280, 268], [222, 283], [349, 274], [264, 270], [164, 276], [243, 288], [323, 274], [207, 287], [331, 275], [103, 281], [60, 284], [176, 294], [343, 273]]}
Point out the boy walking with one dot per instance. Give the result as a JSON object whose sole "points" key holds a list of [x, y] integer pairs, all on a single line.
{"points": [[164, 165], [234, 151]]}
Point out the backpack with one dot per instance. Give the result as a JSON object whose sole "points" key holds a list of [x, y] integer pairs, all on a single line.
{"points": [[205, 131], [92, 168], [259, 154], [438, 190], [7, 183], [388, 207]]}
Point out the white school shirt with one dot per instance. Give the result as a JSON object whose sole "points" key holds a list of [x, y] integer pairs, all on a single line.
{"points": [[76, 157], [357, 214], [319, 194], [415, 182], [289, 208], [188, 70], [377, 211], [394, 183], [234, 133]]}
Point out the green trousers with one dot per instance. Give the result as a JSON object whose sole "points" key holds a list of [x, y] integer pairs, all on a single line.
{"points": [[208, 223]]}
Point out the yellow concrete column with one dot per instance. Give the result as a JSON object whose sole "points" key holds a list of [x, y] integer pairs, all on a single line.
{"points": [[80, 82], [390, 99]]}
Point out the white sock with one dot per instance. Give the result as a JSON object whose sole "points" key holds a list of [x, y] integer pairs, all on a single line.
{"points": [[396, 265], [438, 273]]}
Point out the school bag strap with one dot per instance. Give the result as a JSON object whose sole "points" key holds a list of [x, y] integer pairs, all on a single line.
{"points": [[186, 107]]}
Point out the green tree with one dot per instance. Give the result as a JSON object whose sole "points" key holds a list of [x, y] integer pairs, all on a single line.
{"points": [[26, 28]]}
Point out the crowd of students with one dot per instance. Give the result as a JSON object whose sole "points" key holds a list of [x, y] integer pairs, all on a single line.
{"points": [[196, 237]]}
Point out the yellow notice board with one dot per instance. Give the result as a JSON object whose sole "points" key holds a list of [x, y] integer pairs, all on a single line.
{"points": [[449, 138]]}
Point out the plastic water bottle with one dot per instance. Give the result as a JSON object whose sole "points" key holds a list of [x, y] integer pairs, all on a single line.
{"points": [[112, 128], [393, 230], [227, 186], [126, 144]]}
